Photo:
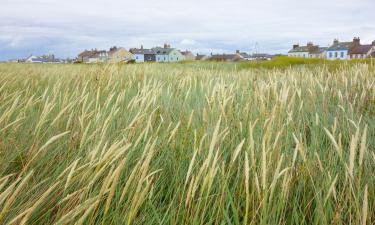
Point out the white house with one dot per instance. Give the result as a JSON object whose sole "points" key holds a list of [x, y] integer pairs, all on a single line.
{"points": [[143, 55], [308, 51], [339, 50], [167, 54]]}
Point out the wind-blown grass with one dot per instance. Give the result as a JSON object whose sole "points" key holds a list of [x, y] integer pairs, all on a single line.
{"points": [[186, 144]]}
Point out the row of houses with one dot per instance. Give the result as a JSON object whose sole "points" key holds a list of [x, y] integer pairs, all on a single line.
{"points": [[337, 51], [160, 54], [119, 54]]}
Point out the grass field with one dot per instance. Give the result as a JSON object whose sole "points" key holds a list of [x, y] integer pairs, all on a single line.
{"points": [[190, 143]]}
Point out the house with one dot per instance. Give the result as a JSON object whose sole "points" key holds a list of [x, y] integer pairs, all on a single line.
{"points": [[359, 51], [308, 51], [261, 56], [244, 55], [201, 57], [93, 56], [167, 54], [42, 59], [116, 54], [188, 55], [143, 55], [226, 57], [340, 50], [319, 53]]}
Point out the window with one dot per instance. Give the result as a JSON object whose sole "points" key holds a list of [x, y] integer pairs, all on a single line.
{"points": [[330, 55], [136, 57], [342, 54], [336, 54], [164, 59]]}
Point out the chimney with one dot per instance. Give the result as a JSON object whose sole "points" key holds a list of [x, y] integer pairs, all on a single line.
{"points": [[141, 46], [295, 46], [373, 43], [165, 45], [310, 44], [237, 51], [336, 42], [356, 41]]}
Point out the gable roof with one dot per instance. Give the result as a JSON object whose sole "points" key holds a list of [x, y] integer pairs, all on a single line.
{"points": [[142, 51], [245, 55], [319, 50], [361, 49], [162, 51], [91, 54], [300, 49], [340, 46]]}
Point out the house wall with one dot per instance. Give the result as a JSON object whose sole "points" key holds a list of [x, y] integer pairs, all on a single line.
{"points": [[121, 55], [162, 58], [299, 54], [139, 58], [175, 56], [339, 54], [149, 58], [358, 56]]}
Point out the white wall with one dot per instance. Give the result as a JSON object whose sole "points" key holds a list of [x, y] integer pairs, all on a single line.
{"points": [[340, 54], [139, 58], [299, 54], [162, 58]]}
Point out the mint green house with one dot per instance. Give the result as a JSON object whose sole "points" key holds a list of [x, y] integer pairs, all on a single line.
{"points": [[167, 54]]}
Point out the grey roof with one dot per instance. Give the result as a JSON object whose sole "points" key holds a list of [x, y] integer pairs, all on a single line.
{"points": [[340, 46], [299, 49], [320, 50], [245, 55], [261, 55], [142, 51], [162, 51], [361, 49]]}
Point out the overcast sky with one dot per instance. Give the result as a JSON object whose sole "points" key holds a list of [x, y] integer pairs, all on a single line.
{"points": [[66, 27]]}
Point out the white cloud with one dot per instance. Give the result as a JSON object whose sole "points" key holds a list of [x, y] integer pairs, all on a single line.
{"points": [[69, 26]]}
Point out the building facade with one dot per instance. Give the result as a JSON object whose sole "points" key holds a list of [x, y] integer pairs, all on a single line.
{"points": [[338, 50], [167, 54], [143, 55], [119, 55]]}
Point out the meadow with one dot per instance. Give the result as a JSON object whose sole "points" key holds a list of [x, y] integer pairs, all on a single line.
{"points": [[193, 143]]}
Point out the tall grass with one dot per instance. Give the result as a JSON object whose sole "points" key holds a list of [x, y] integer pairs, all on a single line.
{"points": [[186, 144]]}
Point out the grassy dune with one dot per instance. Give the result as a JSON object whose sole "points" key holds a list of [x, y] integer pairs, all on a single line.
{"points": [[186, 144]]}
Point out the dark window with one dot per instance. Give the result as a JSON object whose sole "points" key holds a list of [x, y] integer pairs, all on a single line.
{"points": [[342, 54], [336, 54]]}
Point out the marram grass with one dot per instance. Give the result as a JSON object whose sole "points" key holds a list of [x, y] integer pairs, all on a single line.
{"points": [[186, 144]]}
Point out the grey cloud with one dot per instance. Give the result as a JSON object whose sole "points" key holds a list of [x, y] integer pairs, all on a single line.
{"points": [[69, 26]]}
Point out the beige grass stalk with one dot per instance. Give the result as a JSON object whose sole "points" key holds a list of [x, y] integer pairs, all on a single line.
{"points": [[337, 148], [115, 180], [362, 149], [365, 206], [247, 186], [38, 202], [50, 141], [11, 199], [352, 153], [331, 189], [174, 131]]}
